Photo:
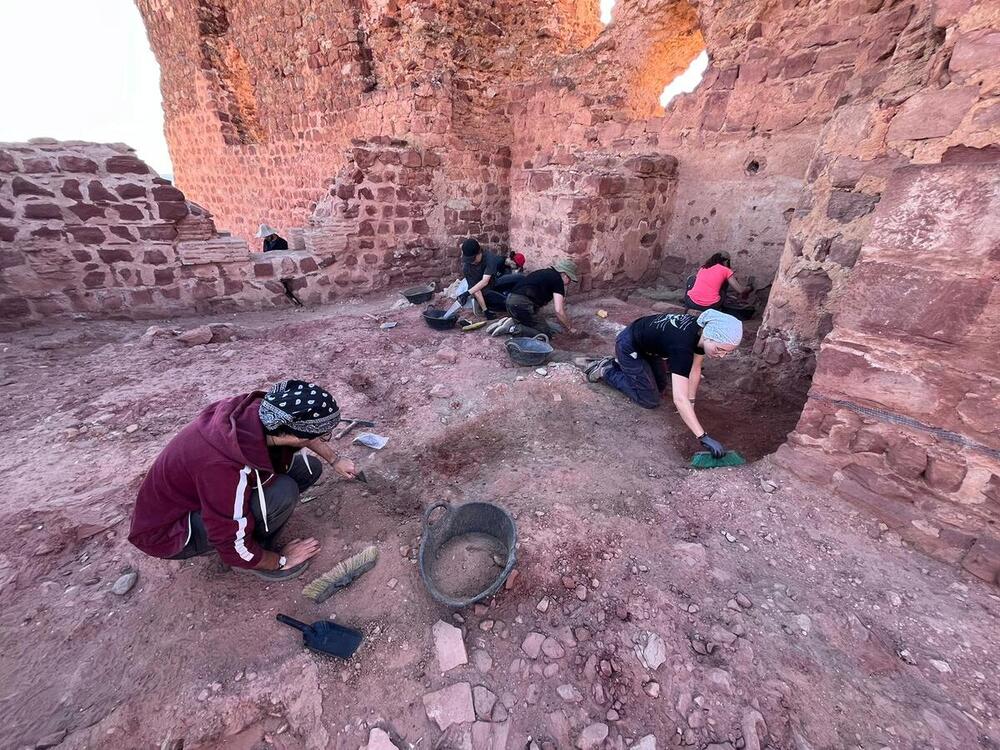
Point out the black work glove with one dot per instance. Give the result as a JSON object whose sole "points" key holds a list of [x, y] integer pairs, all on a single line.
{"points": [[463, 297], [489, 315], [717, 449]]}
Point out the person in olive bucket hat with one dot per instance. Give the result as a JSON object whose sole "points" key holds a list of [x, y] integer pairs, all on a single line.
{"points": [[534, 291], [230, 480]]}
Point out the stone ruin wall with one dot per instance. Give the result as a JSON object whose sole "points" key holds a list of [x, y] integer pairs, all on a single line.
{"points": [[804, 152], [90, 229], [262, 100], [903, 412]]}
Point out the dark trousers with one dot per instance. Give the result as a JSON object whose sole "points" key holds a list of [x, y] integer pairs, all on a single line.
{"points": [[495, 301], [281, 494], [643, 379], [525, 312]]}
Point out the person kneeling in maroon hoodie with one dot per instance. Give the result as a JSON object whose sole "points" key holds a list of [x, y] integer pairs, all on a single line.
{"points": [[231, 479]]}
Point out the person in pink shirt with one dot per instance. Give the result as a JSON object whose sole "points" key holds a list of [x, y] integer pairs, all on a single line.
{"points": [[708, 288]]}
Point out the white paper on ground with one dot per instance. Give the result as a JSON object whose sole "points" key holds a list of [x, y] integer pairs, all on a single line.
{"points": [[372, 440]]}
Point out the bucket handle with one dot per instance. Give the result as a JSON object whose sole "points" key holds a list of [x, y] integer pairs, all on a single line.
{"points": [[541, 337], [433, 507]]}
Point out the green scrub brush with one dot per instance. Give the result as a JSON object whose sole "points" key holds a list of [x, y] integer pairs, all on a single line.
{"points": [[704, 460], [322, 588]]}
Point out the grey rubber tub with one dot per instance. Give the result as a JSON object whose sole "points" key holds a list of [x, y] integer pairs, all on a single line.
{"points": [[468, 518]]}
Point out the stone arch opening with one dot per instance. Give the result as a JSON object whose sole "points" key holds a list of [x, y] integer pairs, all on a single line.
{"points": [[687, 81]]}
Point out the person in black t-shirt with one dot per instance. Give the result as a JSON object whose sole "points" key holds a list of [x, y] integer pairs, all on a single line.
{"points": [[482, 269], [533, 292], [652, 345], [272, 240]]}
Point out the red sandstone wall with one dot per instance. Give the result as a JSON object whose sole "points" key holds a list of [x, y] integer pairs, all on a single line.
{"points": [[927, 87], [90, 228], [903, 412], [262, 99], [607, 213]]}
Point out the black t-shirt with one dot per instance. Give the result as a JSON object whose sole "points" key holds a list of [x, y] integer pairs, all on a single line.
{"points": [[277, 243], [490, 264], [672, 336], [540, 286]]}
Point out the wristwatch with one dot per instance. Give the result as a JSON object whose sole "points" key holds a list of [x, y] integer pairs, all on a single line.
{"points": [[281, 562]]}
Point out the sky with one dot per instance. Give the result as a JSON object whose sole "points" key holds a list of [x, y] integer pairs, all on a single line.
{"points": [[80, 70]]}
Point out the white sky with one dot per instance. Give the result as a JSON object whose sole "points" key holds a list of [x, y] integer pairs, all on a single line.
{"points": [[80, 70]]}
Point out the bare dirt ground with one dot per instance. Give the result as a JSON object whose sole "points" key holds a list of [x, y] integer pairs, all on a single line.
{"points": [[786, 619]]}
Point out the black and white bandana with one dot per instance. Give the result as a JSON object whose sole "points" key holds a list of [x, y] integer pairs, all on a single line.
{"points": [[300, 407]]}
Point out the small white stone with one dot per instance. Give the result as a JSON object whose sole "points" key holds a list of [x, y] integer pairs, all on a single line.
{"points": [[941, 666]]}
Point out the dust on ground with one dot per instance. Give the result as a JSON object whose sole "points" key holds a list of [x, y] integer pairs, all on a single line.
{"points": [[787, 619]]}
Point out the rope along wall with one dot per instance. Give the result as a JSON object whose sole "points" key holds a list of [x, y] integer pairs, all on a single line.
{"points": [[888, 416]]}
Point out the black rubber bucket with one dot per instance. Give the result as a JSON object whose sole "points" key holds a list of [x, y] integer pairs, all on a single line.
{"points": [[468, 518], [530, 352], [419, 294], [435, 319]]}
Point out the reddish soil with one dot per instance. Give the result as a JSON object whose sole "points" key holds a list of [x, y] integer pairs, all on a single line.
{"points": [[851, 639]]}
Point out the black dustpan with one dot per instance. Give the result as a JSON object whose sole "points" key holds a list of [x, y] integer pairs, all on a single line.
{"points": [[326, 637]]}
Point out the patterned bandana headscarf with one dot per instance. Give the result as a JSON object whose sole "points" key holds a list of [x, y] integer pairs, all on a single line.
{"points": [[720, 327], [301, 408]]}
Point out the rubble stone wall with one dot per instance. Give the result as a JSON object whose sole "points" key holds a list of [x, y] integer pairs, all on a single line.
{"points": [[262, 99]]}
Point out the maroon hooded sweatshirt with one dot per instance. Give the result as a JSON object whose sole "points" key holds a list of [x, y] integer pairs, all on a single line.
{"points": [[211, 466]]}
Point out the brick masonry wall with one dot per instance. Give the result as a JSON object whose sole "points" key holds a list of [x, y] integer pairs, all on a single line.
{"points": [[607, 213], [89, 228]]}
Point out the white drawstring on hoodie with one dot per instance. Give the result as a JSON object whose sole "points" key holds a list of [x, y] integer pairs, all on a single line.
{"points": [[260, 487], [263, 501], [304, 460]]}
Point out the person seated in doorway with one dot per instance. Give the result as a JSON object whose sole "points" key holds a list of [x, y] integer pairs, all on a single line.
{"points": [[272, 240], [482, 270], [534, 291], [707, 289], [655, 344], [231, 479]]}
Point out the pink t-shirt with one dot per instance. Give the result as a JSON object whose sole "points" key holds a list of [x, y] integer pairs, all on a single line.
{"points": [[707, 284]]}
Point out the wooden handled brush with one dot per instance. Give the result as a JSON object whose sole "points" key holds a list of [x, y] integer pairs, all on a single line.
{"points": [[340, 575]]}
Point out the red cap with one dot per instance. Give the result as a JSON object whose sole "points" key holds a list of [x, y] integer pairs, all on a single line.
{"points": [[519, 259]]}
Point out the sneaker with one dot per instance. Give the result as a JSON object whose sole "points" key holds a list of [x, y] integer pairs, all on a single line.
{"points": [[599, 369], [278, 575]]}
